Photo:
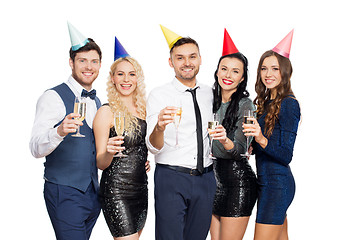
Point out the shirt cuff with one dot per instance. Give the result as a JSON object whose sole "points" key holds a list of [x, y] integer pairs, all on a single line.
{"points": [[54, 137], [230, 150], [151, 148]]}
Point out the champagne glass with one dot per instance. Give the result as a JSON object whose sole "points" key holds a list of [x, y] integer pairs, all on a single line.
{"points": [[80, 108], [211, 127], [247, 114], [119, 125], [177, 118]]}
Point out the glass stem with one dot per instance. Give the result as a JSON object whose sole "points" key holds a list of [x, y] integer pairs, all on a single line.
{"points": [[177, 137], [247, 145]]}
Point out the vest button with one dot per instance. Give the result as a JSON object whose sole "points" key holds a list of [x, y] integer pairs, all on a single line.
{"points": [[93, 152]]}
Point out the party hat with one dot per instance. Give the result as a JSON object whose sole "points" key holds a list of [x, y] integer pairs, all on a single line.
{"points": [[119, 51], [228, 45], [170, 36], [283, 47], [77, 39]]}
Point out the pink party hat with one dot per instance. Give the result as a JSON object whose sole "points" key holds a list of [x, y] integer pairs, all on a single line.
{"points": [[228, 45], [283, 47]]}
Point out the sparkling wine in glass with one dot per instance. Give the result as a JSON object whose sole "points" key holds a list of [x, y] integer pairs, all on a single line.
{"points": [[80, 108], [212, 124], [247, 115], [119, 125], [177, 119]]}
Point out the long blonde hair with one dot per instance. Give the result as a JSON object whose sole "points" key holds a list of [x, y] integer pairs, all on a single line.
{"points": [[114, 97]]}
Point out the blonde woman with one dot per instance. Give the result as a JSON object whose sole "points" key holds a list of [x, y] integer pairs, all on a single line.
{"points": [[123, 185]]}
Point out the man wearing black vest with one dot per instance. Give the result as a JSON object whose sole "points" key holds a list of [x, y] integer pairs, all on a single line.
{"points": [[184, 178], [71, 179]]}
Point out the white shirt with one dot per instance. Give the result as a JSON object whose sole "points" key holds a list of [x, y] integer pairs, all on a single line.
{"points": [[172, 94], [50, 110]]}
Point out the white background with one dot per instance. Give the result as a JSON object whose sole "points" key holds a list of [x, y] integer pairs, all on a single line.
{"points": [[325, 50]]}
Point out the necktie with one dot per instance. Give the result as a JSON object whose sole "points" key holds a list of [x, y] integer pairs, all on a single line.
{"points": [[91, 94], [200, 147]]}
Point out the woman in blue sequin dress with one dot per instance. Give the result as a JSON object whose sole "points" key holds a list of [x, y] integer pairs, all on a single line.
{"points": [[274, 131]]}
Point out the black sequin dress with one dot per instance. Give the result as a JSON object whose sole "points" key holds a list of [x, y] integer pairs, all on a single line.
{"points": [[123, 186], [236, 187]]}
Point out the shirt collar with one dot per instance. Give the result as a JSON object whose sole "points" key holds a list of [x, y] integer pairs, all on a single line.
{"points": [[181, 87], [77, 86]]}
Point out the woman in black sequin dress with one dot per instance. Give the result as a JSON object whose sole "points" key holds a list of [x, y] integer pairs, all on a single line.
{"points": [[236, 190], [123, 186]]}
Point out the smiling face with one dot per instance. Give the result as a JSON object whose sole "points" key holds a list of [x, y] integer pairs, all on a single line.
{"points": [[270, 73], [186, 61], [125, 78], [230, 74], [85, 68]]}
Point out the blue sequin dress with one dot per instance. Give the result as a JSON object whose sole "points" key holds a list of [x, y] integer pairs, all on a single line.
{"points": [[275, 181]]}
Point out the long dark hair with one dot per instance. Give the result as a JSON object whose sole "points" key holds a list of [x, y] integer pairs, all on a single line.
{"points": [[231, 115], [283, 90]]}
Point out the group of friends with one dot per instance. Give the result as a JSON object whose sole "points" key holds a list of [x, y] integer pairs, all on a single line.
{"points": [[194, 192]]}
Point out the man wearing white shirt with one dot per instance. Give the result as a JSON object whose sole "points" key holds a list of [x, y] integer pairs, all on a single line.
{"points": [[71, 181], [184, 180]]}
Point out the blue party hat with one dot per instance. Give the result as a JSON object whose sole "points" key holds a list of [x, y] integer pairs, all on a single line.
{"points": [[119, 51], [77, 39]]}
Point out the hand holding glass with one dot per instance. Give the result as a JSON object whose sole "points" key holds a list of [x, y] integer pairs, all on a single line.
{"points": [[119, 125], [212, 124], [247, 114], [79, 108]]}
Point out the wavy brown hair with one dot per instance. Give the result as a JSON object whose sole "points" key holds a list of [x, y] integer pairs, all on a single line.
{"points": [[114, 97], [283, 90]]}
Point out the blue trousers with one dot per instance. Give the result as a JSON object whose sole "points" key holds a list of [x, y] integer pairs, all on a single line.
{"points": [[183, 204], [73, 213]]}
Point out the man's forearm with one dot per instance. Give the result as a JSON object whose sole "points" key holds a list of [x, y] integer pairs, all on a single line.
{"points": [[157, 138]]}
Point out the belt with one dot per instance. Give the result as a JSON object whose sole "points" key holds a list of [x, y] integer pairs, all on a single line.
{"points": [[193, 172]]}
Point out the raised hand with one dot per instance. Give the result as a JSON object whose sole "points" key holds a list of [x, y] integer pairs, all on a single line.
{"points": [[69, 124], [114, 144]]}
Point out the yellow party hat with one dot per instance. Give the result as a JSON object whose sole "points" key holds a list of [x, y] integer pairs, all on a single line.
{"points": [[170, 36]]}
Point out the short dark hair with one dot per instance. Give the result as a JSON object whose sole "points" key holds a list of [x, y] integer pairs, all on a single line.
{"points": [[91, 45], [184, 40]]}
